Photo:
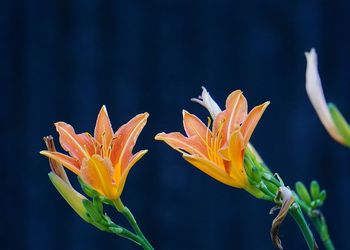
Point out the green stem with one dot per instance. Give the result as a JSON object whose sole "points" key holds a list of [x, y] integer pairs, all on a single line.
{"points": [[122, 232], [128, 215], [298, 216], [320, 224]]}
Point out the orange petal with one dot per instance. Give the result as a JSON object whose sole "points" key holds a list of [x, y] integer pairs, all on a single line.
{"points": [[125, 139], [181, 143], [252, 120], [236, 155], [103, 129], [218, 127], [88, 142], [69, 162], [71, 142], [236, 112], [98, 173], [210, 169], [121, 181], [195, 127], [219, 121]]}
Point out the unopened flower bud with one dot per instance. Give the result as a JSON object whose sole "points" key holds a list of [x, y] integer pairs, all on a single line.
{"points": [[302, 192], [73, 198], [323, 195], [314, 190]]}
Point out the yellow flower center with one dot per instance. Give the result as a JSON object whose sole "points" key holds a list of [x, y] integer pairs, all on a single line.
{"points": [[213, 143]]}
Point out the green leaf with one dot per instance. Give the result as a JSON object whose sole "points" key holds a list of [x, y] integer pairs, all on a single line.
{"points": [[340, 123], [314, 190], [302, 192]]}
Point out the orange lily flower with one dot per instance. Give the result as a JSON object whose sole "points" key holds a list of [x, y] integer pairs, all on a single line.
{"points": [[104, 160], [219, 152]]}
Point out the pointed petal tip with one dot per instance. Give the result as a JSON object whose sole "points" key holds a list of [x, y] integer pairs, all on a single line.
{"points": [[59, 124], [144, 117], [103, 112], [141, 153], [159, 136], [265, 104], [44, 152], [104, 109], [146, 114]]}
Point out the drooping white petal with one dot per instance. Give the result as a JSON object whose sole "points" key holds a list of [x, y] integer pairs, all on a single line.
{"points": [[208, 102], [316, 95]]}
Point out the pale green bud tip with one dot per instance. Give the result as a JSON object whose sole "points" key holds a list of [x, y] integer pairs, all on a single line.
{"points": [[72, 197], [340, 123]]}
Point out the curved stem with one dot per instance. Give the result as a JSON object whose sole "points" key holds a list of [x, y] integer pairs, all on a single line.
{"points": [[298, 217], [122, 232], [320, 224], [128, 215]]}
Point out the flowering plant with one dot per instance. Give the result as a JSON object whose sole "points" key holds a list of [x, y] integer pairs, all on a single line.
{"points": [[221, 149], [102, 163]]}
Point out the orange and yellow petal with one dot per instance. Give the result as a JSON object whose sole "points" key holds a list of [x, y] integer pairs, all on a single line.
{"points": [[67, 161], [236, 153], [183, 144], [98, 173], [125, 139], [233, 153], [103, 129], [252, 120], [71, 142], [236, 112], [195, 127], [122, 178], [211, 169]]}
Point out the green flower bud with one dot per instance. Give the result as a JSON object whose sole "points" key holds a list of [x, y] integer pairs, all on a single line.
{"points": [[323, 196], [73, 198], [302, 192], [314, 190]]}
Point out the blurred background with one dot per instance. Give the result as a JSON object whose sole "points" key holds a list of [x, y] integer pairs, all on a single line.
{"points": [[62, 60]]}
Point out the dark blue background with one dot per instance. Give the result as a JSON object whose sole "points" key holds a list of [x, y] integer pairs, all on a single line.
{"points": [[61, 60]]}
